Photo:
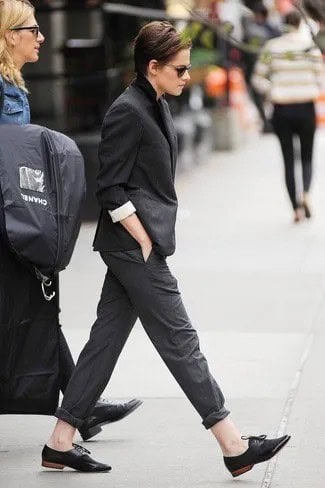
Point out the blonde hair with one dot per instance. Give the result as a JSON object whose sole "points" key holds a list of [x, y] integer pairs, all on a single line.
{"points": [[13, 13]]}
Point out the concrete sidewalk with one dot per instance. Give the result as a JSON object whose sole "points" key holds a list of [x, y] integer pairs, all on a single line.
{"points": [[253, 284]]}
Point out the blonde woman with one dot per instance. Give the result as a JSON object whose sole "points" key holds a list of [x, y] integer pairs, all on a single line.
{"points": [[21, 302]]}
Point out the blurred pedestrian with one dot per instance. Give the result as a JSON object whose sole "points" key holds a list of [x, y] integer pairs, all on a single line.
{"points": [[135, 234], [290, 72], [257, 30], [20, 297]]}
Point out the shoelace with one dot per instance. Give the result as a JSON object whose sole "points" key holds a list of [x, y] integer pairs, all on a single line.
{"points": [[80, 449], [105, 400], [254, 437]]}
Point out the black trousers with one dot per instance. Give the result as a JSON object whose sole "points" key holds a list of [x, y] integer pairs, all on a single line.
{"points": [[134, 288], [67, 364], [290, 121]]}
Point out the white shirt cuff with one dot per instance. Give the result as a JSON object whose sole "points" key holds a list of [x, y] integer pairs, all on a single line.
{"points": [[122, 212]]}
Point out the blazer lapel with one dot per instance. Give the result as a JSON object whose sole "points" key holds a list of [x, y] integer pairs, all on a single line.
{"points": [[170, 130]]}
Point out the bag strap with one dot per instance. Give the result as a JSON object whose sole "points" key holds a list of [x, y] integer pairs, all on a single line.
{"points": [[303, 14]]}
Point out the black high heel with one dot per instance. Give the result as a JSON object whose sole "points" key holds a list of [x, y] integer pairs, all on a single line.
{"points": [[260, 449], [307, 210]]}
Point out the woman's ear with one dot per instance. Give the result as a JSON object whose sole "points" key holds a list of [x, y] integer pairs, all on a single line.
{"points": [[10, 38], [153, 67]]}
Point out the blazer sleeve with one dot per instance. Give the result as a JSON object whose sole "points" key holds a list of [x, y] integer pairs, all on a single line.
{"points": [[121, 137]]}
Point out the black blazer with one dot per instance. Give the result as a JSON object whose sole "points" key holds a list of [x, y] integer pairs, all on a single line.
{"points": [[137, 156]]}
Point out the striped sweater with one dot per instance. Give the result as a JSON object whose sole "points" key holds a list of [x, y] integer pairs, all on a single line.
{"points": [[290, 69]]}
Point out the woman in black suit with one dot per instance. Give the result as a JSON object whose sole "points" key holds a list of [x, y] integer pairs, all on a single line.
{"points": [[136, 231]]}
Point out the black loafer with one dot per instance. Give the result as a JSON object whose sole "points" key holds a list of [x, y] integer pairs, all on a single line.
{"points": [[106, 412], [260, 449], [77, 458]]}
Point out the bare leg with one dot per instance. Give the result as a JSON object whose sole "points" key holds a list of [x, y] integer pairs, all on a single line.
{"points": [[225, 432], [62, 436], [229, 438]]}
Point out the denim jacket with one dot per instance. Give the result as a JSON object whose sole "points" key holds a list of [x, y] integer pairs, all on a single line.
{"points": [[15, 108]]}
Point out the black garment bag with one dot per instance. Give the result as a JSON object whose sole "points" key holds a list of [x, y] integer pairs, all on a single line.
{"points": [[42, 185]]}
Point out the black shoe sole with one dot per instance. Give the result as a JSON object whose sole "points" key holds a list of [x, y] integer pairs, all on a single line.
{"points": [[98, 428], [92, 432], [273, 453]]}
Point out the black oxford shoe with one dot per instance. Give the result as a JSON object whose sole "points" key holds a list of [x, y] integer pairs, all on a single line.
{"points": [[106, 412], [260, 449], [77, 458]]}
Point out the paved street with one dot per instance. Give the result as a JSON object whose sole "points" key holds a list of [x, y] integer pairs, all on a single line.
{"points": [[254, 286]]}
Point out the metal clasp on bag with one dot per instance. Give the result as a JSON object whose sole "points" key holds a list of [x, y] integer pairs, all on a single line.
{"points": [[45, 282]]}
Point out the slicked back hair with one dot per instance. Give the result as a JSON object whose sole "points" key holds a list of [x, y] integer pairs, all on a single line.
{"points": [[159, 41]]}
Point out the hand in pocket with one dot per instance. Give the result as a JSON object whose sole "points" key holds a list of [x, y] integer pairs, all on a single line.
{"points": [[146, 251]]}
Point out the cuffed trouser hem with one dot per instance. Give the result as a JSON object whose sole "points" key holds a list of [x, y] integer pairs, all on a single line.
{"points": [[215, 417], [67, 417]]}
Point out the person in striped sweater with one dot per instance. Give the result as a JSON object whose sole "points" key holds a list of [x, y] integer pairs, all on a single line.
{"points": [[290, 73]]}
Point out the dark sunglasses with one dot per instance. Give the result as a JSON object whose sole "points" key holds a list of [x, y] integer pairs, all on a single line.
{"points": [[180, 69], [33, 28]]}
